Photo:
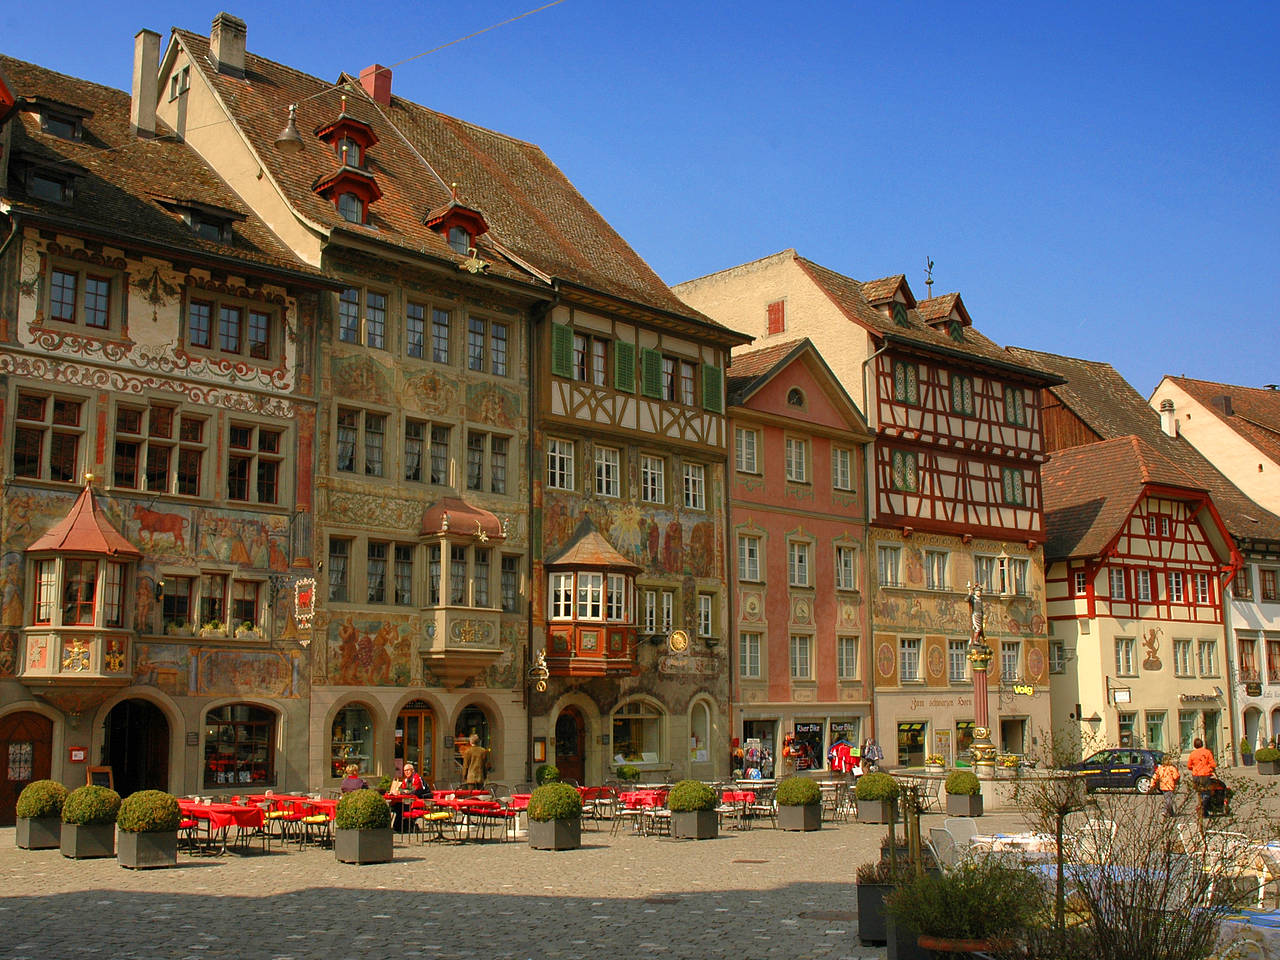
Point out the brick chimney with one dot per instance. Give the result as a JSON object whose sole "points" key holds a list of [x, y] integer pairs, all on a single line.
{"points": [[226, 44], [146, 62], [1168, 419], [376, 80]]}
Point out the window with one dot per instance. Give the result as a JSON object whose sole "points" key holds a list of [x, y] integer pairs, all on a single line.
{"points": [[1186, 729], [481, 576], [1247, 651], [1126, 665], [1201, 582], [637, 732], [1015, 406], [1080, 583], [159, 450], [213, 599], [459, 240], [617, 598], [905, 471], [659, 610], [776, 317], [795, 398], [1176, 582], [1273, 661], [1207, 656], [560, 464], [909, 659], [590, 596], [1118, 591], [957, 661], [590, 356], [1011, 660], [748, 557], [415, 333], [695, 497], [846, 658], [887, 560], [1182, 658], [798, 564], [349, 152], [239, 746], [906, 382], [339, 557], [1242, 585], [440, 322], [440, 455], [801, 648], [404, 561], [79, 591], [510, 584], [244, 603], [375, 572], [962, 394], [846, 568], [177, 608], [415, 436], [77, 296], [749, 655], [1018, 567], [374, 329], [1011, 480], [1057, 656], [705, 618], [1155, 723], [1268, 578], [487, 462], [228, 327], [676, 378], [935, 570], [562, 596], [254, 463], [487, 342], [179, 82], [350, 207], [841, 468], [44, 596], [744, 449], [608, 472], [797, 460], [1142, 584], [361, 442], [986, 572], [653, 479], [1125, 724]]}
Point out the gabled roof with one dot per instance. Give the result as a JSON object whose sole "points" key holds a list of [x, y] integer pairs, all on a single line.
{"points": [[941, 307], [85, 530], [1106, 402], [752, 371], [748, 368], [120, 177], [1255, 412], [1090, 491], [589, 548], [883, 290]]}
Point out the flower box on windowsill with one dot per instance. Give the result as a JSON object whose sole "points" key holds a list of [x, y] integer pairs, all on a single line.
{"points": [[178, 629], [248, 633], [213, 630]]}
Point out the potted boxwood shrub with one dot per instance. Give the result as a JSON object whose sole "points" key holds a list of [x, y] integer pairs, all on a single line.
{"points": [[628, 773], [362, 828], [1268, 761], [693, 811], [555, 817], [148, 822], [799, 804], [1246, 752], [547, 773], [89, 822], [877, 796], [964, 795], [39, 813]]}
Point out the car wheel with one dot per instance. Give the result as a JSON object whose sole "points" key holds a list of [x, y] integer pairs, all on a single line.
{"points": [[1142, 784]]}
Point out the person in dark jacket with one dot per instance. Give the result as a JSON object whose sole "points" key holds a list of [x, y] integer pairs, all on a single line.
{"points": [[353, 780]]}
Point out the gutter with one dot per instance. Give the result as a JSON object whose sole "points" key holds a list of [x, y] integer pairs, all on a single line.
{"points": [[868, 479]]}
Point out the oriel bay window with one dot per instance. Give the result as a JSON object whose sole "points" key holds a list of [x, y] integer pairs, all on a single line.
{"points": [[591, 607], [469, 574], [592, 595], [84, 581]]}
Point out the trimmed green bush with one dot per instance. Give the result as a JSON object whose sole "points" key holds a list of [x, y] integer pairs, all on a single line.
{"points": [[1246, 746], [876, 786], [362, 810], [690, 795], [1267, 755], [798, 792], [962, 783], [547, 773], [41, 798], [555, 801], [988, 898], [628, 773], [91, 804], [149, 811]]}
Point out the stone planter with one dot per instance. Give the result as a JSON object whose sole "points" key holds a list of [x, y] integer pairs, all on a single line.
{"points": [[145, 851], [934, 768], [871, 916], [1246, 759], [875, 811], [695, 824], [808, 817], [84, 841], [555, 834], [40, 833], [1269, 768], [964, 804], [903, 943], [364, 846]]}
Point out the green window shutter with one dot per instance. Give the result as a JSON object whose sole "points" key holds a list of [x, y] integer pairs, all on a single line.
{"points": [[712, 392], [650, 372], [624, 366], [561, 350]]}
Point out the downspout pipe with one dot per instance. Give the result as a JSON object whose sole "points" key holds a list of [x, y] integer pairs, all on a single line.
{"points": [[868, 481]]}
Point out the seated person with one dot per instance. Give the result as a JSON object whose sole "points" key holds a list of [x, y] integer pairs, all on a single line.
{"points": [[353, 780], [410, 785]]}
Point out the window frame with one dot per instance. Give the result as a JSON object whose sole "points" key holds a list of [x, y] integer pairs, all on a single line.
{"points": [[796, 459], [909, 651], [800, 563], [1126, 657], [358, 329], [648, 488], [493, 354], [608, 472], [886, 551], [960, 648], [49, 429], [750, 555], [694, 485], [750, 643], [746, 460], [362, 464], [846, 567], [560, 464], [800, 656], [115, 305], [847, 664], [149, 438], [936, 579], [842, 476]]}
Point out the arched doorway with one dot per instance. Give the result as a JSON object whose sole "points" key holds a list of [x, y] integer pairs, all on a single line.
{"points": [[135, 744], [571, 743], [472, 719], [1254, 725], [26, 750], [415, 730]]}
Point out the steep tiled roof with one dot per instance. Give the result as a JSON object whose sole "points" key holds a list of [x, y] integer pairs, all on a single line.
{"points": [[1255, 412], [1090, 490], [589, 548], [882, 290], [121, 176], [751, 366], [937, 308], [1112, 408], [535, 215], [85, 529]]}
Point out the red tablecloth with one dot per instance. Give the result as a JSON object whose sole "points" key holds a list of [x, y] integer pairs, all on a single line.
{"points": [[520, 801], [643, 798], [738, 796], [222, 815], [312, 807], [458, 794]]}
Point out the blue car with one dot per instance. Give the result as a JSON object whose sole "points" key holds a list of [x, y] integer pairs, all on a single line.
{"points": [[1121, 768]]}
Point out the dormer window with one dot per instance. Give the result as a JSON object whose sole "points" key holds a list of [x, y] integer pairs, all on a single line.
{"points": [[46, 186], [349, 152], [60, 126], [459, 240], [205, 220], [459, 225], [351, 207], [211, 228]]}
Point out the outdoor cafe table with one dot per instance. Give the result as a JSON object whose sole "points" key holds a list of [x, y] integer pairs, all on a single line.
{"points": [[1251, 933], [458, 794], [221, 817], [1014, 843]]}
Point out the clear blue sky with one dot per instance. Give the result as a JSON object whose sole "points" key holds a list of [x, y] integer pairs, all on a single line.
{"points": [[1095, 179]]}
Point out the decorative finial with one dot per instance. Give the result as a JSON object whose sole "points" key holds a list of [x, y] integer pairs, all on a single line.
{"points": [[453, 188], [344, 103], [480, 533], [928, 274], [88, 479]]}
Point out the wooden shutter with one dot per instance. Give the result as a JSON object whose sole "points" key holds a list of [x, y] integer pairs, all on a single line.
{"points": [[650, 372], [624, 366], [561, 350], [712, 389]]}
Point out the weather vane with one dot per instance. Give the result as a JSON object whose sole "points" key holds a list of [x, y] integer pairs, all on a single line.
{"points": [[928, 274]]}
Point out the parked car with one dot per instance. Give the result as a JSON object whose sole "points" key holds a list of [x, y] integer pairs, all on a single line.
{"points": [[1119, 769]]}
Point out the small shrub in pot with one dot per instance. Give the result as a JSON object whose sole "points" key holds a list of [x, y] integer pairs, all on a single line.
{"points": [[1268, 760], [39, 815], [693, 811], [799, 804], [876, 794], [89, 822], [148, 822], [362, 828], [555, 817], [547, 773], [964, 794]]}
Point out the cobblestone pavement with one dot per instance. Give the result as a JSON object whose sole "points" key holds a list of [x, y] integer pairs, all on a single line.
{"points": [[753, 894]]}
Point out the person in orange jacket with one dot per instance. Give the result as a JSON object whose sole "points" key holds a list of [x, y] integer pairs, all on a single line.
{"points": [[1165, 780], [1201, 765]]}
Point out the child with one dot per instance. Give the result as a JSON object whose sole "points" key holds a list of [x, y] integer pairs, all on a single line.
{"points": [[1165, 780]]}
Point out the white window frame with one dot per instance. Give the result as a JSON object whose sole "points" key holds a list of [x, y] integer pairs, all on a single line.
{"points": [[749, 644], [1142, 585], [909, 657], [797, 460], [1183, 651], [1177, 586], [1119, 588], [889, 564], [846, 568], [695, 486], [1207, 657], [846, 658], [935, 569], [608, 472], [746, 444], [957, 656], [562, 595], [799, 568], [560, 454], [653, 479], [706, 620], [750, 550], [1126, 657], [842, 469], [801, 656], [1010, 660]]}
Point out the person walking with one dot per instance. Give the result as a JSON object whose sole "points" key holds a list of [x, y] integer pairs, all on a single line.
{"points": [[1165, 780], [475, 766], [1201, 765]]}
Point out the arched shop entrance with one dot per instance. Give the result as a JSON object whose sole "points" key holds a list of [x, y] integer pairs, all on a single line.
{"points": [[415, 733], [135, 744], [570, 744], [26, 751], [472, 719]]}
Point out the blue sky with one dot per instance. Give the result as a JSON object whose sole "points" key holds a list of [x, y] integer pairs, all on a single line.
{"points": [[1098, 180]]}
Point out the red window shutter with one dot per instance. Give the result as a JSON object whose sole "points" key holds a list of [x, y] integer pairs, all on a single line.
{"points": [[777, 317]]}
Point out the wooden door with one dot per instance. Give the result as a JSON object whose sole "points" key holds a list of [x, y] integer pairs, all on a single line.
{"points": [[570, 744], [415, 730], [26, 751]]}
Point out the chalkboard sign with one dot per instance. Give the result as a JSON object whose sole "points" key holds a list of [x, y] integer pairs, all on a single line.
{"points": [[101, 776]]}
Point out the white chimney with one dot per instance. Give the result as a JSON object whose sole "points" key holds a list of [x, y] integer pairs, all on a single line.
{"points": [[1168, 419], [146, 62], [226, 44]]}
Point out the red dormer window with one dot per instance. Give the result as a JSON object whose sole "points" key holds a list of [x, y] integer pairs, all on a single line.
{"points": [[351, 191], [349, 137], [460, 225]]}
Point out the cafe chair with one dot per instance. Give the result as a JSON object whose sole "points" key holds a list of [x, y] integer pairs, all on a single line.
{"points": [[962, 830], [763, 807], [945, 851], [318, 829]]}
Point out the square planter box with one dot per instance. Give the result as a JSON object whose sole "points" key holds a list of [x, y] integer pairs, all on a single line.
{"points": [[964, 805], [875, 811], [871, 916], [808, 817], [695, 824], [144, 851], [41, 833], [902, 942], [1269, 768], [555, 834], [86, 841], [364, 846]]}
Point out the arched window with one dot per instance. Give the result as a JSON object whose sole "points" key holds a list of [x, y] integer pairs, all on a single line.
{"points": [[351, 740], [700, 733], [795, 397], [459, 240], [351, 208], [239, 746], [637, 732], [473, 719]]}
